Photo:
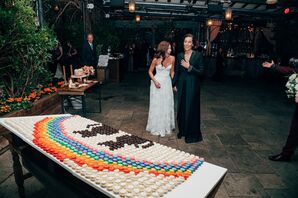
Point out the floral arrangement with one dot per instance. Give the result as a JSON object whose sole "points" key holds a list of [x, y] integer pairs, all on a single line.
{"points": [[89, 70], [292, 86], [8, 104]]}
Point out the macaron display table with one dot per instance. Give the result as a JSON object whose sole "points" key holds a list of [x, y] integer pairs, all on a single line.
{"points": [[113, 162]]}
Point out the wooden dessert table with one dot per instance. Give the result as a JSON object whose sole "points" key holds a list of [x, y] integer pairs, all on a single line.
{"points": [[66, 92], [73, 180]]}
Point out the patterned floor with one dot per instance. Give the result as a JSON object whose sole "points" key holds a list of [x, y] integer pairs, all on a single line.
{"points": [[243, 121]]}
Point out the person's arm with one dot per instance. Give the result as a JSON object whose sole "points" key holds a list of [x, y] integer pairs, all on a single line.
{"points": [[75, 52], [281, 69], [61, 53], [150, 72], [176, 72], [296, 98], [173, 68], [197, 66]]}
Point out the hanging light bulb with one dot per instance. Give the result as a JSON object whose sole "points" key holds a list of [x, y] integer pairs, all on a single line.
{"points": [[138, 18], [228, 14], [131, 6], [209, 22]]}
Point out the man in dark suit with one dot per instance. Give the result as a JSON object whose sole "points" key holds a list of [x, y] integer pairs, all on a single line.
{"points": [[89, 55], [292, 140]]}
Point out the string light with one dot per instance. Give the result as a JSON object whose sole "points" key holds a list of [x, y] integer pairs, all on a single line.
{"points": [[131, 6], [209, 22], [138, 18], [228, 14]]}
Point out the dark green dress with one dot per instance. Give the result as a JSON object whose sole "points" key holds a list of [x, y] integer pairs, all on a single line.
{"points": [[187, 82]]}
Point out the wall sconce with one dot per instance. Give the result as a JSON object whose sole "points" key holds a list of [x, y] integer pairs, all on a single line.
{"points": [[228, 14], [131, 6], [138, 18]]}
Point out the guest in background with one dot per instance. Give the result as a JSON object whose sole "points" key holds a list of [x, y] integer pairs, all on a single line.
{"points": [[56, 60], [219, 73], [137, 57], [188, 71], [131, 56], [144, 49], [71, 58], [89, 55], [126, 56], [151, 52], [198, 46], [292, 140], [174, 49]]}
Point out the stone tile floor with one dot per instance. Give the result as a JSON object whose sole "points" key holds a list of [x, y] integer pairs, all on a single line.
{"points": [[243, 121]]}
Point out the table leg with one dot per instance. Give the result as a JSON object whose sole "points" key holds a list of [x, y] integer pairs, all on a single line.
{"points": [[18, 172], [62, 105], [84, 105]]}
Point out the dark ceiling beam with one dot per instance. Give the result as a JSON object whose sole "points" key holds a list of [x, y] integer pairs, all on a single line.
{"points": [[290, 3], [244, 5], [250, 1], [195, 8], [232, 4], [256, 6], [165, 5]]}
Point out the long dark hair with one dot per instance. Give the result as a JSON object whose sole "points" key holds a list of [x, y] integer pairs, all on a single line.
{"points": [[162, 48], [189, 35]]}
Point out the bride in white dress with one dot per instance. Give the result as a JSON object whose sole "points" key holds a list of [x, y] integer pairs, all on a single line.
{"points": [[161, 119]]}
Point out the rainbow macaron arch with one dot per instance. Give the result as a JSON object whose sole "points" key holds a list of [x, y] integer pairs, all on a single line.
{"points": [[93, 158]]}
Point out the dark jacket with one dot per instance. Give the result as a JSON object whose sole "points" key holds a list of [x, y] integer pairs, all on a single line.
{"points": [[188, 85], [89, 56], [195, 71]]}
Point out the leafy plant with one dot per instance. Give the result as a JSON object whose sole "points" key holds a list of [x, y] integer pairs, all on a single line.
{"points": [[106, 35], [25, 49]]}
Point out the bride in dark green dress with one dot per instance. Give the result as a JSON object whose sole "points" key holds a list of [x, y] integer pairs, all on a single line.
{"points": [[189, 68]]}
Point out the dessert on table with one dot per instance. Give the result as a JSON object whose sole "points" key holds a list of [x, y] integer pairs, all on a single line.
{"points": [[125, 165]]}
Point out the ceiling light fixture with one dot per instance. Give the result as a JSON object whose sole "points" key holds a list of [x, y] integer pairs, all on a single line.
{"points": [[132, 6]]}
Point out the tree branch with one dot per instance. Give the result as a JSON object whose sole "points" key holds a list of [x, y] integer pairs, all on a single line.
{"points": [[76, 4]]}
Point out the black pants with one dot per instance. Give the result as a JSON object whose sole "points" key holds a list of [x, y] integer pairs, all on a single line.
{"points": [[292, 141], [53, 67]]}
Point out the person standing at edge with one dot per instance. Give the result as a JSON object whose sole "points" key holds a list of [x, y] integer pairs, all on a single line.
{"points": [[292, 140], [89, 55], [186, 82]]}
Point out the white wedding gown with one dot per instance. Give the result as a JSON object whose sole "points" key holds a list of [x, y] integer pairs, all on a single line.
{"points": [[161, 118]]}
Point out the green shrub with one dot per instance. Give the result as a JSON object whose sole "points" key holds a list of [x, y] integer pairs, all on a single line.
{"points": [[25, 49]]}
